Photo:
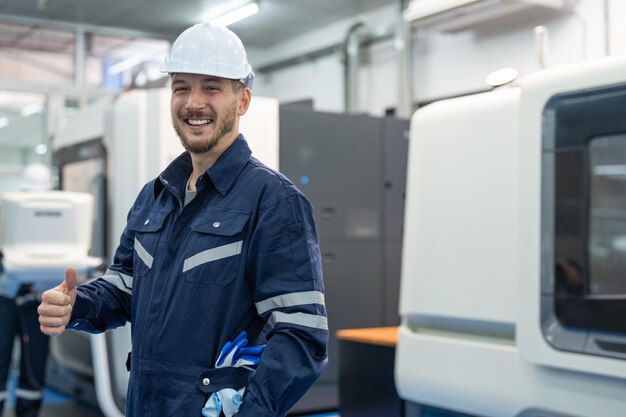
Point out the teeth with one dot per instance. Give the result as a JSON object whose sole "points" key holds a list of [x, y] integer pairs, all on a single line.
{"points": [[199, 122]]}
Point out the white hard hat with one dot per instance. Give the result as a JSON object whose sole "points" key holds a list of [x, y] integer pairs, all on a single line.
{"points": [[36, 177], [210, 50]]}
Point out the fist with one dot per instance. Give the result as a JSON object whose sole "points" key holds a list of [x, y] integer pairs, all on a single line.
{"points": [[56, 305]]}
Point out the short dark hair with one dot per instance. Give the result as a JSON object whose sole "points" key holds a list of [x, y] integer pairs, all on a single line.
{"points": [[237, 86]]}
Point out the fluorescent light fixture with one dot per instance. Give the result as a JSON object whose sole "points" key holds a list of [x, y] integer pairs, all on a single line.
{"points": [[4, 121], [31, 109], [125, 64], [236, 15]]}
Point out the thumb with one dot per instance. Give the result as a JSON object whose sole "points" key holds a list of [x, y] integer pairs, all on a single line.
{"points": [[69, 284]]}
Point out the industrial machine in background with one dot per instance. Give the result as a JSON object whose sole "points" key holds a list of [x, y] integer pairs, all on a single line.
{"points": [[513, 294], [351, 167], [42, 232]]}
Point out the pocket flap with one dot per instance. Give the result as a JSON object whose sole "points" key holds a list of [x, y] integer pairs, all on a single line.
{"points": [[220, 221], [217, 379], [146, 219]]}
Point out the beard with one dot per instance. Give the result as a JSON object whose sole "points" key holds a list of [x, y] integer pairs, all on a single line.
{"points": [[223, 127]]}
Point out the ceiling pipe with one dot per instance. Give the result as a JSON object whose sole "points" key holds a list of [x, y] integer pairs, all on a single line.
{"points": [[351, 55], [404, 46], [93, 29], [541, 45]]}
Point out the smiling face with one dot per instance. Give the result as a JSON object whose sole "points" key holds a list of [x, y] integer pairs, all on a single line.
{"points": [[206, 110]]}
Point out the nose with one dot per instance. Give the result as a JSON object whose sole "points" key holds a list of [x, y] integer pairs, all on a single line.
{"points": [[194, 100]]}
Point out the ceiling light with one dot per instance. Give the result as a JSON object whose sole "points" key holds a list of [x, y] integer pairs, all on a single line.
{"points": [[501, 77], [234, 15], [31, 109], [125, 65], [41, 149]]}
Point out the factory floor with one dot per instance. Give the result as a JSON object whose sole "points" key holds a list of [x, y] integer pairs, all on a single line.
{"points": [[58, 410], [68, 410], [56, 404]]}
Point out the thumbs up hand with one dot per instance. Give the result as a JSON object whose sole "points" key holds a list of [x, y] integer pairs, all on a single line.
{"points": [[56, 305]]}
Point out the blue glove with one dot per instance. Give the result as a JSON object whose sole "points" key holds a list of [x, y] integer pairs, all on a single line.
{"points": [[235, 354], [231, 400], [213, 406]]}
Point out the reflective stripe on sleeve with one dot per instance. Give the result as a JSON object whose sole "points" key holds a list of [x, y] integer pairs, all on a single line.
{"points": [[301, 319], [213, 254], [121, 281], [143, 254], [3, 395], [28, 395], [289, 300]]}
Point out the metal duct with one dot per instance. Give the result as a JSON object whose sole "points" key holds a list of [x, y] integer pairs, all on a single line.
{"points": [[351, 49], [404, 45]]}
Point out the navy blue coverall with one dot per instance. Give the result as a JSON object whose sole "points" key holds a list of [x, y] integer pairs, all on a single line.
{"points": [[242, 255]]}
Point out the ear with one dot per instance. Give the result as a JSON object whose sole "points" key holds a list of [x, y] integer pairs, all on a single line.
{"points": [[244, 101]]}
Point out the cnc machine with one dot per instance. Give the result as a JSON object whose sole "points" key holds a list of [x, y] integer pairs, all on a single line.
{"points": [[513, 289]]}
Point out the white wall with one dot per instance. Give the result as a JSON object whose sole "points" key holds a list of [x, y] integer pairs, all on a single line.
{"points": [[322, 79], [448, 64], [445, 64], [617, 29]]}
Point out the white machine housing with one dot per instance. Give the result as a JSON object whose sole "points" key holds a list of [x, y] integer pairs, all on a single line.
{"points": [[44, 232], [471, 339]]}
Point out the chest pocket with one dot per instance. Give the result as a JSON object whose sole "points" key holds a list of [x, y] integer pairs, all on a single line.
{"points": [[216, 241], [147, 223]]}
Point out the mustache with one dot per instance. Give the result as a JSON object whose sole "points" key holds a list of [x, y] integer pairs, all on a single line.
{"points": [[197, 115]]}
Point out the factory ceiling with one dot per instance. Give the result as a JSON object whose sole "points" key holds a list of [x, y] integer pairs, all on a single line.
{"points": [[276, 21]]}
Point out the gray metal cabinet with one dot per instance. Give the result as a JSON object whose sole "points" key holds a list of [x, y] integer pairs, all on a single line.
{"points": [[352, 168]]}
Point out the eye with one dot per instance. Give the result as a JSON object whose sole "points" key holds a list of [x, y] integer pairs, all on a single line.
{"points": [[211, 88], [179, 89]]}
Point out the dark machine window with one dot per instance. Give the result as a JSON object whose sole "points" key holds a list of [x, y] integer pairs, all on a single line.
{"points": [[584, 274], [82, 168], [607, 215]]}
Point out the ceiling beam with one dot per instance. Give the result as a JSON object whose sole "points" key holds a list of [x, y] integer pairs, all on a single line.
{"points": [[72, 27]]}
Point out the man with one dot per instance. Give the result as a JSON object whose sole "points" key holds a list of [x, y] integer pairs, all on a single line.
{"points": [[216, 245]]}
